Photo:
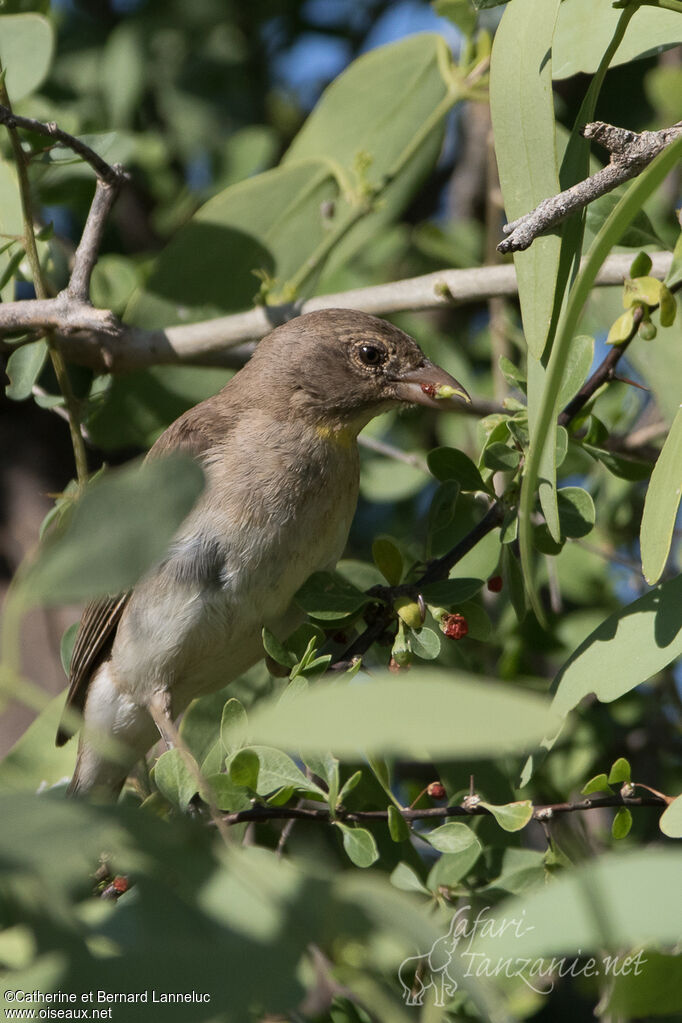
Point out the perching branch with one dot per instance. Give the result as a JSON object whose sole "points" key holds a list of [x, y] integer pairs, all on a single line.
{"points": [[96, 338], [629, 152], [541, 812]]}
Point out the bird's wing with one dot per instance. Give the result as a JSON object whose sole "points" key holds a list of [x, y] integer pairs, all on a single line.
{"points": [[93, 643], [101, 617]]}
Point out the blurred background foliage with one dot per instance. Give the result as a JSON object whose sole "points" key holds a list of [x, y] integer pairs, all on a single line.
{"points": [[208, 105]]}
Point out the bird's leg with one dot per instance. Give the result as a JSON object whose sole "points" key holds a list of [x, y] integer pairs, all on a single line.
{"points": [[160, 710]]}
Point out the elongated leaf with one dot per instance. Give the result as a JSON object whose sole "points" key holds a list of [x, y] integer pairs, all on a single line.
{"points": [[445, 714], [625, 650], [119, 528], [522, 112], [577, 50], [608, 236], [593, 910], [661, 504]]}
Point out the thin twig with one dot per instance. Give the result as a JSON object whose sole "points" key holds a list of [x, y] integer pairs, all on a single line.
{"points": [[630, 154], [88, 248], [541, 811], [113, 175]]}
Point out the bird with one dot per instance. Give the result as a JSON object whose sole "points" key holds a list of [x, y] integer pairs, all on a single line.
{"points": [[278, 448]]}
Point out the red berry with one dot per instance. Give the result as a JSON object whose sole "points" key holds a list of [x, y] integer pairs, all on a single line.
{"points": [[436, 790], [120, 884], [429, 389], [454, 626], [495, 583]]}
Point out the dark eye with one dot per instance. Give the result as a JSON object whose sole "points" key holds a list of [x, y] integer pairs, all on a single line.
{"points": [[371, 355]]}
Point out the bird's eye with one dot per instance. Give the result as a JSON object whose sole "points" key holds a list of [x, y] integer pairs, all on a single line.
{"points": [[371, 355]]}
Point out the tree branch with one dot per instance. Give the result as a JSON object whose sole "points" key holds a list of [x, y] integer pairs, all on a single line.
{"points": [[541, 811], [112, 175], [96, 338], [629, 152]]}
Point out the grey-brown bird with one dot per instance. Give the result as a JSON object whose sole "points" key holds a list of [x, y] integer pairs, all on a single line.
{"points": [[278, 449]]}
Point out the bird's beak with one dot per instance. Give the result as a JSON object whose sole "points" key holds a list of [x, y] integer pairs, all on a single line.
{"points": [[430, 385]]}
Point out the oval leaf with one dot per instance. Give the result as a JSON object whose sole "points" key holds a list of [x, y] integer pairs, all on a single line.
{"points": [[359, 844]]}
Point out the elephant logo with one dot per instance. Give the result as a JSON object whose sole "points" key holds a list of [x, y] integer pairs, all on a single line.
{"points": [[430, 970]]}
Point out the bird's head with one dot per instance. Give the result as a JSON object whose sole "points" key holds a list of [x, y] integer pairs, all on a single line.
{"points": [[339, 368]]}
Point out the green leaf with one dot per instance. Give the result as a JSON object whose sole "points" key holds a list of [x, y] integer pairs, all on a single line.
{"points": [[23, 369], [349, 785], [646, 989], [514, 581], [639, 898], [671, 819], [452, 837], [271, 223], [621, 329], [118, 529], [459, 12], [511, 816], [376, 107], [34, 760], [620, 771], [629, 647], [382, 479], [450, 591], [522, 111], [450, 464], [226, 795], [599, 783], [619, 465], [450, 868], [66, 647], [641, 265], [388, 559], [661, 504], [667, 307], [359, 845], [397, 826], [122, 72], [276, 650], [26, 45], [442, 510], [326, 596], [233, 725], [425, 643], [439, 711], [622, 823], [643, 291], [174, 779], [576, 50], [405, 878], [576, 511], [265, 769], [501, 458]]}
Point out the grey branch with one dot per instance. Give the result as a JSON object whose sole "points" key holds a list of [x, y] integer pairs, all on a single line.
{"points": [[95, 337], [629, 152], [112, 175]]}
